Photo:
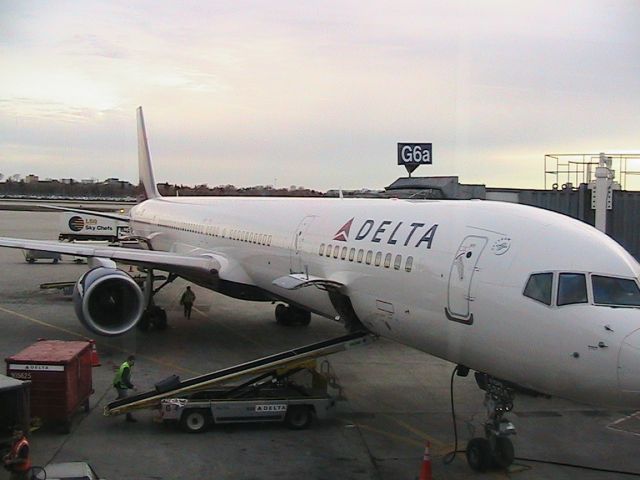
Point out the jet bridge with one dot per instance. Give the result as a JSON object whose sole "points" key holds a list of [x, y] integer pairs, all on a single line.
{"points": [[289, 359]]}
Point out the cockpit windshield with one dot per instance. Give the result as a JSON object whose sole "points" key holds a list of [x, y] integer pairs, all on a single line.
{"points": [[572, 289], [615, 291]]}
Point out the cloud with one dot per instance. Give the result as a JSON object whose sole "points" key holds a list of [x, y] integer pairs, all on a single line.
{"points": [[317, 94]]}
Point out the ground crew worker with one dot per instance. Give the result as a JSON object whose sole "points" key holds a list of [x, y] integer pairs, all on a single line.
{"points": [[18, 460], [122, 382], [187, 299]]}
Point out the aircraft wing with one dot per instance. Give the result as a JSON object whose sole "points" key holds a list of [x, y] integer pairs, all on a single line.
{"points": [[109, 215], [200, 264]]}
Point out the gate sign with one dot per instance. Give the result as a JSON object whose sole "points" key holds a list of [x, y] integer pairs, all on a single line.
{"points": [[412, 155]]}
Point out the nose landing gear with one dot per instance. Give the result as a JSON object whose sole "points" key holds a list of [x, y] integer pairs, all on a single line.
{"points": [[495, 449]]}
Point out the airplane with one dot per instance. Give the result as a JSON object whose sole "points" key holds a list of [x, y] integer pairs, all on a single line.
{"points": [[531, 300]]}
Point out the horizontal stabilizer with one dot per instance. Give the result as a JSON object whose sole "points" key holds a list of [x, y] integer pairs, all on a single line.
{"points": [[296, 281], [111, 216]]}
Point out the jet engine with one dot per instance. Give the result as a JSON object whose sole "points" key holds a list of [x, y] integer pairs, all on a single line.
{"points": [[108, 301]]}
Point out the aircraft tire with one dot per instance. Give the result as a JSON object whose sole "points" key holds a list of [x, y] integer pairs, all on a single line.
{"points": [[144, 324], [504, 453], [303, 317], [478, 454], [283, 315], [159, 318]]}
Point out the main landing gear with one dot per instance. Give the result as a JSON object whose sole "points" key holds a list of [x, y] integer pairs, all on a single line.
{"points": [[154, 316], [290, 315], [495, 449]]}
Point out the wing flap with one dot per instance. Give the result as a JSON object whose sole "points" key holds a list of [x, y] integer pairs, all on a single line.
{"points": [[296, 281]]}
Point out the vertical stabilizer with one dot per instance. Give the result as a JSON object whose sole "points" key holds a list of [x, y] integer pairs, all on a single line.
{"points": [[147, 184]]}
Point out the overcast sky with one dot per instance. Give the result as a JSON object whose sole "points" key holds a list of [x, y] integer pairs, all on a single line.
{"points": [[315, 93]]}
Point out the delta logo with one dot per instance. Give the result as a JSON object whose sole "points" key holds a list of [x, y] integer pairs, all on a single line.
{"points": [[390, 232], [343, 234]]}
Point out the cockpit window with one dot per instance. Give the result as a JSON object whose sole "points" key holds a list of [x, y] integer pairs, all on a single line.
{"points": [[615, 291], [539, 287], [572, 288]]}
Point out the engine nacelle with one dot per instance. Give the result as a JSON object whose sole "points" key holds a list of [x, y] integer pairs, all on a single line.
{"points": [[108, 301]]}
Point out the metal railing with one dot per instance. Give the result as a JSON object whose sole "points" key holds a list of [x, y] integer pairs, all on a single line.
{"points": [[572, 169]]}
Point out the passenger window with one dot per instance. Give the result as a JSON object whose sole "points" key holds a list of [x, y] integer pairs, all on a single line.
{"points": [[329, 247], [343, 254], [369, 257], [321, 251], [352, 253], [615, 291], [572, 288], [360, 255], [409, 264], [387, 260], [378, 259], [539, 287], [336, 251], [397, 262]]}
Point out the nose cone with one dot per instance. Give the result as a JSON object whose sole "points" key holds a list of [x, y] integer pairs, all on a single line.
{"points": [[629, 363]]}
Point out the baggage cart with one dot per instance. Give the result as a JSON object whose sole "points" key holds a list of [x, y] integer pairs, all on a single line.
{"points": [[277, 396], [61, 378], [14, 408], [30, 256]]}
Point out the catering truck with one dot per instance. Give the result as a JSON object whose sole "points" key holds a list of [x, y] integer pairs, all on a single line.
{"points": [[80, 226]]}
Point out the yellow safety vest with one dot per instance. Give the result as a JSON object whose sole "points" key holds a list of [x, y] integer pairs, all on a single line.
{"points": [[117, 381]]}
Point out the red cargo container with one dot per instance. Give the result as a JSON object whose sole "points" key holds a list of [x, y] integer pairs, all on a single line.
{"points": [[60, 375]]}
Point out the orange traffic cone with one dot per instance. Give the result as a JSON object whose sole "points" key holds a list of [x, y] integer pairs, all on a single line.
{"points": [[425, 471], [95, 360]]}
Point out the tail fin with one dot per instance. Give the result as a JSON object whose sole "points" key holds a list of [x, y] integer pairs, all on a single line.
{"points": [[147, 185]]}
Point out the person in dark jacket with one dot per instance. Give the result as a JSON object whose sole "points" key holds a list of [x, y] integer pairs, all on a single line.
{"points": [[122, 381], [187, 299], [18, 460]]}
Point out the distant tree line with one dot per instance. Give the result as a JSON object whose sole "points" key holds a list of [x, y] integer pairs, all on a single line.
{"points": [[168, 189], [16, 187], [66, 190]]}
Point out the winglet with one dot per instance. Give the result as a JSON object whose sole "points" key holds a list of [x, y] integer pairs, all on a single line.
{"points": [[148, 185]]}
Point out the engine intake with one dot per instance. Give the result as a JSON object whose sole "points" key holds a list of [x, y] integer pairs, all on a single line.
{"points": [[108, 301]]}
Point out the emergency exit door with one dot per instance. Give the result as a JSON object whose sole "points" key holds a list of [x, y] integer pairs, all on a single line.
{"points": [[297, 264], [461, 275]]}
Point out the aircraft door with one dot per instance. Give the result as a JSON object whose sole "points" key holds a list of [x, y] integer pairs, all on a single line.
{"points": [[463, 267], [297, 264]]}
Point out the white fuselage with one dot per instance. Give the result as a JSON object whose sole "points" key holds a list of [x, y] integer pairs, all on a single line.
{"points": [[445, 277]]}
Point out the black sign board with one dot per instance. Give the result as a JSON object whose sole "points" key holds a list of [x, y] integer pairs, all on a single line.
{"points": [[412, 155]]}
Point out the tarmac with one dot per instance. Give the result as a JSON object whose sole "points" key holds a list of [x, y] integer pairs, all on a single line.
{"points": [[396, 399]]}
